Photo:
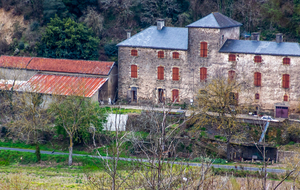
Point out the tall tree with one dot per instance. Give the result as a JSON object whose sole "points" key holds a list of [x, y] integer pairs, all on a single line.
{"points": [[68, 39]]}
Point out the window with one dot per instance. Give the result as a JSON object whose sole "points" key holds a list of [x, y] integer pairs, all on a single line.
{"points": [[161, 54], [203, 49], [285, 98], [161, 96], [203, 74], [257, 79], [257, 59], [233, 98], [175, 72], [160, 73], [175, 95], [285, 81], [256, 96], [133, 71], [134, 52], [231, 76], [231, 57], [175, 55], [286, 61]]}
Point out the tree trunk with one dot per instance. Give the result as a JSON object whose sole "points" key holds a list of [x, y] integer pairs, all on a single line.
{"points": [[70, 151], [37, 152], [228, 151]]}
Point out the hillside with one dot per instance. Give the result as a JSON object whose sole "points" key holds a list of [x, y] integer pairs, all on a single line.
{"points": [[24, 22]]}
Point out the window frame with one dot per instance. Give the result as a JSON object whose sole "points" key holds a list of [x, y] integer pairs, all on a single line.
{"points": [[203, 49], [173, 96], [160, 54], [257, 79], [203, 74], [231, 57], [285, 81], [175, 55], [160, 72], [257, 59], [175, 76], [133, 72], [286, 61], [135, 52]]}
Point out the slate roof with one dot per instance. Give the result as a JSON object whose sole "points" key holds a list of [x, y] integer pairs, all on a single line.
{"points": [[14, 62], [63, 85], [261, 47], [215, 20], [71, 66], [167, 38]]}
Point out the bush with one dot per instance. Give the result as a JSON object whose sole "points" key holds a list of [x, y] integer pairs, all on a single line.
{"points": [[34, 26], [111, 49], [21, 45]]}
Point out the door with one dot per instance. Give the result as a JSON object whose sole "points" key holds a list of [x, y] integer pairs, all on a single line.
{"points": [[282, 112], [133, 94], [161, 97]]}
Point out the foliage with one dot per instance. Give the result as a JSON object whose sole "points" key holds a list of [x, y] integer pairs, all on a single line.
{"points": [[68, 39]]}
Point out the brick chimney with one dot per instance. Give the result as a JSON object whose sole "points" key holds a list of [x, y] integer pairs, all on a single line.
{"points": [[128, 33], [160, 24], [255, 36], [279, 38]]}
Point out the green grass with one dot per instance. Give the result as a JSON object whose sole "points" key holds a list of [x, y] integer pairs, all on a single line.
{"points": [[122, 110]]}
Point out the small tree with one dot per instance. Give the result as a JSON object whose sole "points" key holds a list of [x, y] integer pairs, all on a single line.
{"points": [[68, 39], [76, 115], [217, 105]]}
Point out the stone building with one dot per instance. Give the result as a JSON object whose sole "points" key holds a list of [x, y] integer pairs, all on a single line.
{"points": [[92, 79], [171, 64]]}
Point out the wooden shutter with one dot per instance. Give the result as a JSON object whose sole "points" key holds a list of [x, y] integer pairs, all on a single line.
{"points": [[134, 52], [175, 55], [160, 54], [257, 59], [232, 57], [285, 81], [257, 79], [285, 98], [203, 49], [175, 95], [160, 73], [286, 61], [175, 72], [203, 74], [133, 71]]}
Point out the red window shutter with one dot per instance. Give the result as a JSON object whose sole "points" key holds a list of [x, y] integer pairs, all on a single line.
{"points": [[285, 81], [285, 98], [160, 54], [160, 73], [175, 55], [286, 61], [256, 96], [203, 49], [203, 74], [257, 79], [175, 95], [232, 57], [231, 75], [133, 71], [134, 52], [257, 59], [175, 72]]}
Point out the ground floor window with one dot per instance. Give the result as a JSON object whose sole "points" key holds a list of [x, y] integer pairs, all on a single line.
{"points": [[161, 95], [175, 95]]}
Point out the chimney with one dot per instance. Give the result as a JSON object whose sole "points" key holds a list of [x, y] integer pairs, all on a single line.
{"points": [[128, 33], [279, 38], [255, 36], [160, 24]]}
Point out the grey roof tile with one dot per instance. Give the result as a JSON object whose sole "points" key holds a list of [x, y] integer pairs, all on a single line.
{"points": [[215, 20], [261, 47], [167, 38]]}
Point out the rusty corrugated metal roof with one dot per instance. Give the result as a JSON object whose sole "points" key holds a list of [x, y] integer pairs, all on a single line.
{"points": [[14, 62], [63, 85], [71, 66]]}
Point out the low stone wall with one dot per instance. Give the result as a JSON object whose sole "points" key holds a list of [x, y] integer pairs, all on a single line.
{"points": [[283, 155]]}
